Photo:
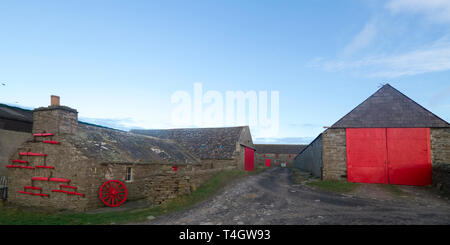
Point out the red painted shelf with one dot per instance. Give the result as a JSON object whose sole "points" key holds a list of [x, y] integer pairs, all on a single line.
{"points": [[32, 154], [32, 188], [17, 166], [40, 178], [69, 192], [34, 194], [59, 180], [51, 142], [49, 167], [20, 161], [51, 179], [43, 135], [68, 186]]}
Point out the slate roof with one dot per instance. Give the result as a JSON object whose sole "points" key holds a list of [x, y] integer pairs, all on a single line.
{"points": [[115, 146], [16, 113], [389, 108], [204, 143], [279, 149]]}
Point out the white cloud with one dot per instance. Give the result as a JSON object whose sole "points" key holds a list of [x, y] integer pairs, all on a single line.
{"points": [[435, 10], [286, 140], [429, 58], [363, 39]]}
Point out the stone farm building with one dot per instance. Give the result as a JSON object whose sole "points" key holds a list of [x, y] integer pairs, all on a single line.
{"points": [[275, 154], [387, 139], [64, 162], [213, 146]]}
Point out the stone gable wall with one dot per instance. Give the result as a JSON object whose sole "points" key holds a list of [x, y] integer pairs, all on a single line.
{"points": [[334, 155]]}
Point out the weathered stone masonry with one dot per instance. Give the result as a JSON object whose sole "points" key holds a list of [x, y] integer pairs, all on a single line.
{"points": [[440, 157], [81, 157], [334, 154]]}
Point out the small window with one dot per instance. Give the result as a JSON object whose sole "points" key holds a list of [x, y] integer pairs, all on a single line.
{"points": [[129, 175]]}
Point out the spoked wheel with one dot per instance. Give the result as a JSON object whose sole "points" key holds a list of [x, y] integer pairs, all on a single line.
{"points": [[113, 193]]}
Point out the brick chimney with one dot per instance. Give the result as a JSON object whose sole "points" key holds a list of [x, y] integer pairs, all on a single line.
{"points": [[55, 118], [54, 100]]}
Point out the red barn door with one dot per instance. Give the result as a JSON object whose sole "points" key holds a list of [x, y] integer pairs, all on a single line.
{"points": [[409, 157], [268, 162], [400, 156], [366, 155], [249, 159]]}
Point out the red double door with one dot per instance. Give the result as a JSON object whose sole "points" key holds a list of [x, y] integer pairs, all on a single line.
{"points": [[249, 159], [400, 156]]}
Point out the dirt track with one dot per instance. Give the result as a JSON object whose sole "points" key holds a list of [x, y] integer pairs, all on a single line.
{"points": [[274, 198]]}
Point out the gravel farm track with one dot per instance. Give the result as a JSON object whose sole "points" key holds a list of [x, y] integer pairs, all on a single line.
{"points": [[274, 198]]}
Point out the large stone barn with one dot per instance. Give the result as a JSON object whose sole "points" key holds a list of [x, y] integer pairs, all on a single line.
{"points": [[15, 128], [387, 139], [65, 164], [276, 154], [231, 146]]}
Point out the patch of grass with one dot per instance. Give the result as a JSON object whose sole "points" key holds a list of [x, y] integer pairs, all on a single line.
{"points": [[340, 186], [393, 189], [16, 216], [300, 176]]}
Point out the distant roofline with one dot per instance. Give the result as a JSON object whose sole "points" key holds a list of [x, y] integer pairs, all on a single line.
{"points": [[159, 129]]}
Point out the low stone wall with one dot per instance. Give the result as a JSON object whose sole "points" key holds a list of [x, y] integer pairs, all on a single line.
{"points": [[334, 156], [159, 183], [440, 158]]}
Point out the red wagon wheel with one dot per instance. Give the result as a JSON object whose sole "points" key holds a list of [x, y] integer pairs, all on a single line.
{"points": [[113, 193]]}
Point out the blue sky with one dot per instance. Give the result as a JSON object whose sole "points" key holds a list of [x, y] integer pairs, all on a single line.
{"points": [[119, 62]]}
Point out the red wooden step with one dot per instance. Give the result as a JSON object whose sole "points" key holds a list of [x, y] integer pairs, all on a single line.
{"points": [[20, 161], [59, 180], [43, 135], [49, 167], [32, 154], [34, 194], [51, 179], [33, 188], [17, 166], [69, 192], [51, 142], [40, 178], [68, 186]]}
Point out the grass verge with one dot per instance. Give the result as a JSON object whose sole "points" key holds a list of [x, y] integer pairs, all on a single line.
{"points": [[15, 216], [340, 186]]}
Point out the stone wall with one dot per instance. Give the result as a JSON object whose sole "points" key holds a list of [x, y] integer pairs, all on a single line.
{"points": [[68, 163], [276, 159], [440, 158], [334, 156], [310, 160], [159, 183], [9, 142]]}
